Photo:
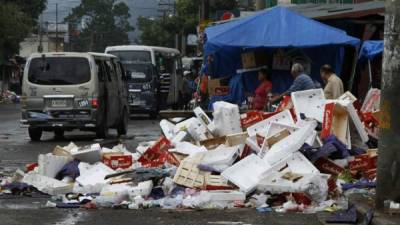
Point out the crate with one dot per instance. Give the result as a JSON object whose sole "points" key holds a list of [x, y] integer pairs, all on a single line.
{"points": [[311, 103], [283, 117], [189, 175]]}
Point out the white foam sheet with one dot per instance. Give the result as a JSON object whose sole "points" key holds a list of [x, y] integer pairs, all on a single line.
{"points": [[50, 165], [222, 155], [188, 148], [167, 129], [223, 195], [246, 174], [91, 154], [46, 184], [356, 120], [283, 118], [226, 118], [290, 144], [204, 119], [311, 103]]}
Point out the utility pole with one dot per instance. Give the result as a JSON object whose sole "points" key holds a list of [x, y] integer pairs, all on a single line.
{"points": [[388, 177], [56, 27]]}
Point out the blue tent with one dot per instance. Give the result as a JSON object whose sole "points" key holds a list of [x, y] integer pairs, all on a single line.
{"points": [[371, 49], [271, 29]]}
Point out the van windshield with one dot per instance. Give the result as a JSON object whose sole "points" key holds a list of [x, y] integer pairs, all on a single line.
{"points": [[139, 73], [59, 70], [132, 56]]}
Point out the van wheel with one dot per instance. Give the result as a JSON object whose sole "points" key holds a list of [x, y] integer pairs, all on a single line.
{"points": [[59, 134], [122, 128], [102, 130], [35, 133]]}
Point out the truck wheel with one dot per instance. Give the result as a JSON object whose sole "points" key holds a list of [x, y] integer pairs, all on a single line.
{"points": [[59, 134], [35, 133], [122, 128], [102, 129]]}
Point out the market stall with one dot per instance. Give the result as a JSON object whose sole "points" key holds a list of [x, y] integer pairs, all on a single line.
{"points": [[279, 35]]}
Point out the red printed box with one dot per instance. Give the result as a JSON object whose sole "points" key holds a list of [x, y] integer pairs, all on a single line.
{"points": [[117, 161], [250, 118], [328, 166], [335, 122]]}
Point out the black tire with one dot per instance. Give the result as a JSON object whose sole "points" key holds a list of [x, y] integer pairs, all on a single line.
{"points": [[35, 133], [122, 128], [59, 134]]}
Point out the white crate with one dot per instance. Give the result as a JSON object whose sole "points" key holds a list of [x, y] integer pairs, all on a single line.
{"points": [[50, 165], [167, 129], [246, 173], [284, 118], [189, 175], [204, 119], [356, 120], [311, 103], [221, 156], [226, 118]]}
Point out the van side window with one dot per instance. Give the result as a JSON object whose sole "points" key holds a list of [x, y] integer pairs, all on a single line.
{"points": [[112, 70], [118, 70], [108, 70], [100, 68]]}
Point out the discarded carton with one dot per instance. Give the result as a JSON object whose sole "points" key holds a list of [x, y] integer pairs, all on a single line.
{"points": [[326, 165], [197, 130], [189, 175], [204, 119], [188, 148], [372, 101], [250, 118], [238, 174], [236, 139], [89, 154], [168, 129], [50, 165], [214, 182], [179, 137], [226, 118], [283, 117], [335, 122], [253, 145], [310, 103], [46, 184], [223, 195], [93, 175], [356, 120], [213, 142], [117, 160], [221, 157], [142, 189]]}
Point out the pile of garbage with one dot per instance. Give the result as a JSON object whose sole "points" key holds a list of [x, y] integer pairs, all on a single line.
{"points": [[298, 158], [9, 97]]}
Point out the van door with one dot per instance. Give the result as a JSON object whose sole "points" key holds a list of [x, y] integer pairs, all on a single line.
{"points": [[112, 95]]}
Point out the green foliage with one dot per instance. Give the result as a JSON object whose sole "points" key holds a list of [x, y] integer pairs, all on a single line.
{"points": [[108, 24], [17, 20]]}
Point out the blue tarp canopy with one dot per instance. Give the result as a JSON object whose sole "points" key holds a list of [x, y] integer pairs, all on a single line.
{"points": [[276, 28], [371, 49]]}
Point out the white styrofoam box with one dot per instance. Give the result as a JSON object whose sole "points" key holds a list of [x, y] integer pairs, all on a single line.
{"points": [[142, 189], [223, 195], [188, 148], [184, 125], [215, 180], [298, 163], [180, 136], [252, 143], [275, 184], [222, 155], [246, 173], [113, 189], [204, 119], [284, 118], [197, 130], [50, 165], [311, 103], [46, 184], [93, 175], [90, 154], [356, 120], [226, 118], [348, 96], [312, 138], [276, 127], [372, 101], [290, 144], [167, 129]]}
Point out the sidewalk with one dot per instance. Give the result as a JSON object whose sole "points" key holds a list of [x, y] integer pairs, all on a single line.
{"points": [[364, 204]]}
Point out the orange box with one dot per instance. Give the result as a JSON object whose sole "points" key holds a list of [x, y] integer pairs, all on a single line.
{"points": [[117, 160]]}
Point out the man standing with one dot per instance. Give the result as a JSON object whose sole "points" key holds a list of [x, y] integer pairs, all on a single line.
{"points": [[333, 84], [301, 81]]}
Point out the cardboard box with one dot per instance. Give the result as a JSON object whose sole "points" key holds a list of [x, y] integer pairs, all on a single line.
{"points": [[218, 87], [326, 165], [254, 59], [117, 160], [336, 119]]}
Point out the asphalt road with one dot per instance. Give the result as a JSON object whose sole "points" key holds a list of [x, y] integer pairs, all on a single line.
{"points": [[16, 150]]}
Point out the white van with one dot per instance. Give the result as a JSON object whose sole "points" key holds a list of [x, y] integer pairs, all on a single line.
{"points": [[168, 66], [63, 91]]}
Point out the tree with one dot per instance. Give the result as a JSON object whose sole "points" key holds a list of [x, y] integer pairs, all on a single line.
{"points": [[107, 23], [17, 19], [388, 177]]}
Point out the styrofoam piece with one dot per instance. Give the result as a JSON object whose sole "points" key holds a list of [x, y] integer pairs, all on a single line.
{"points": [[188, 148], [204, 119], [312, 138], [143, 146], [298, 163], [46, 184], [226, 118], [246, 173], [189, 175], [284, 118], [89, 154], [50, 165], [215, 180], [252, 143], [372, 101], [184, 125], [356, 120], [275, 184], [276, 127], [223, 195], [290, 144], [197, 130], [93, 175], [348, 96], [222, 155], [167, 129], [114, 189], [311, 103], [179, 137], [142, 189], [236, 139]]}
